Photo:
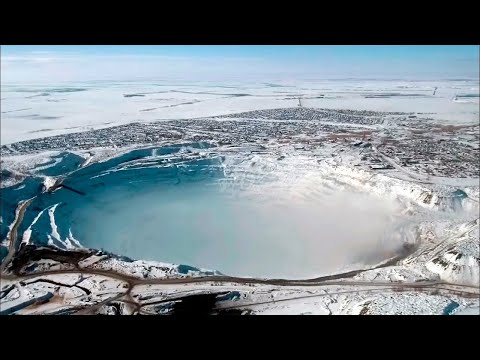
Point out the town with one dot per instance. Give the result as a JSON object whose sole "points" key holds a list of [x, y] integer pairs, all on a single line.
{"points": [[413, 142]]}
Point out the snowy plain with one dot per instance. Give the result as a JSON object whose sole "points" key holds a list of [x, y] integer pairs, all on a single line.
{"points": [[36, 111]]}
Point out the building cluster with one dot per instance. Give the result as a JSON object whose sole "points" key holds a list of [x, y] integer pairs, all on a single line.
{"points": [[436, 154], [301, 113], [453, 153], [436, 157]]}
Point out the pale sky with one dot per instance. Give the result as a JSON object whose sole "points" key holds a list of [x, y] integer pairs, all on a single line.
{"points": [[40, 64]]}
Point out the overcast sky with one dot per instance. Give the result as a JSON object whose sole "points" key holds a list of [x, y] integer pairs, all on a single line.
{"points": [[32, 64]]}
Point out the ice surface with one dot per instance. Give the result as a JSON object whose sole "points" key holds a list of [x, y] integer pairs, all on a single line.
{"points": [[271, 223]]}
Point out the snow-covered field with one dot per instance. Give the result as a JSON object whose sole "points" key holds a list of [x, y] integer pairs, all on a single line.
{"points": [[39, 111]]}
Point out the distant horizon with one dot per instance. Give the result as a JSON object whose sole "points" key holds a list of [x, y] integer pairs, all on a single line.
{"points": [[44, 64], [232, 81]]}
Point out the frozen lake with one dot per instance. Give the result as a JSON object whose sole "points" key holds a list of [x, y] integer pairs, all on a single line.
{"points": [[202, 227], [157, 204]]}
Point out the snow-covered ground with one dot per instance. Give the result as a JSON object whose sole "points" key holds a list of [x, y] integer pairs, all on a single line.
{"points": [[156, 287], [432, 237], [38, 111]]}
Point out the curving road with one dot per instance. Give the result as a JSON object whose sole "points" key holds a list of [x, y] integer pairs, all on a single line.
{"points": [[13, 233]]}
